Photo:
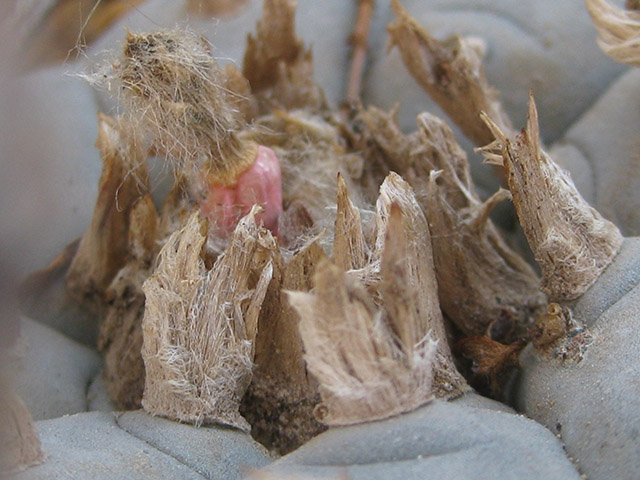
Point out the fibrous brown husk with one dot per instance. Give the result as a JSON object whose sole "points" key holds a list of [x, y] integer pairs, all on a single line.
{"points": [[618, 30], [379, 355], [481, 281], [199, 326], [120, 337], [103, 249], [571, 241], [278, 67], [451, 73]]}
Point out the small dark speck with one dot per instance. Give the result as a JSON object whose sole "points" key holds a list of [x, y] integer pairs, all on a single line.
{"points": [[558, 427]]}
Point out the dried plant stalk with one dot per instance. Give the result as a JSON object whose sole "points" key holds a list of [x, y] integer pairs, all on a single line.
{"points": [[481, 281], [120, 337], [103, 249], [571, 241], [618, 30], [373, 361], [278, 67], [199, 326], [19, 441], [451, 73]]}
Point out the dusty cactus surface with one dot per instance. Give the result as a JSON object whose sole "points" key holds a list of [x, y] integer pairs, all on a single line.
{"points": [[284, 258]]}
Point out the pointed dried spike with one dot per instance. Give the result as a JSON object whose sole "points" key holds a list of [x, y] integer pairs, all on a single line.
{"points": [[396, 295], [103, 248], [571, 241], [618, 31], [198, 347], [349, 246], [275, 42], [451, 73]]}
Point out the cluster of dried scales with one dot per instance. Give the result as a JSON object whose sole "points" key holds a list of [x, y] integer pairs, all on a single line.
{"points": [[367, 323]]}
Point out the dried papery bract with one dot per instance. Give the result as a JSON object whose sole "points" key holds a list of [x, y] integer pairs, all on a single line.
{"points": [[618, 31], [278, 67], [378, 356], [175, 91], [571, 241], [103, 249], [481, 281], [199, 326], [120, 337], [451, 73], [363, 375]]}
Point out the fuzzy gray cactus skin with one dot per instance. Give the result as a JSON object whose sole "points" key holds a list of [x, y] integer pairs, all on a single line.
{"points": [[592, 401]]}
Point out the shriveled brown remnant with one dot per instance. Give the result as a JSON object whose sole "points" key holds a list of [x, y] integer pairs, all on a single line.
{"points": [[381, 355], [120, 337], [19, 442], [571, 241], [481, 281], [176, 91], [618, 30], [199, 326], [451, 73], [278, 67], [103, 249]]}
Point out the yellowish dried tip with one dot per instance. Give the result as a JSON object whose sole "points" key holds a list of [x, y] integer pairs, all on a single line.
{"points": [[571, 241], [618, 30], [176, 92], [451, 73], [199, 326]]}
